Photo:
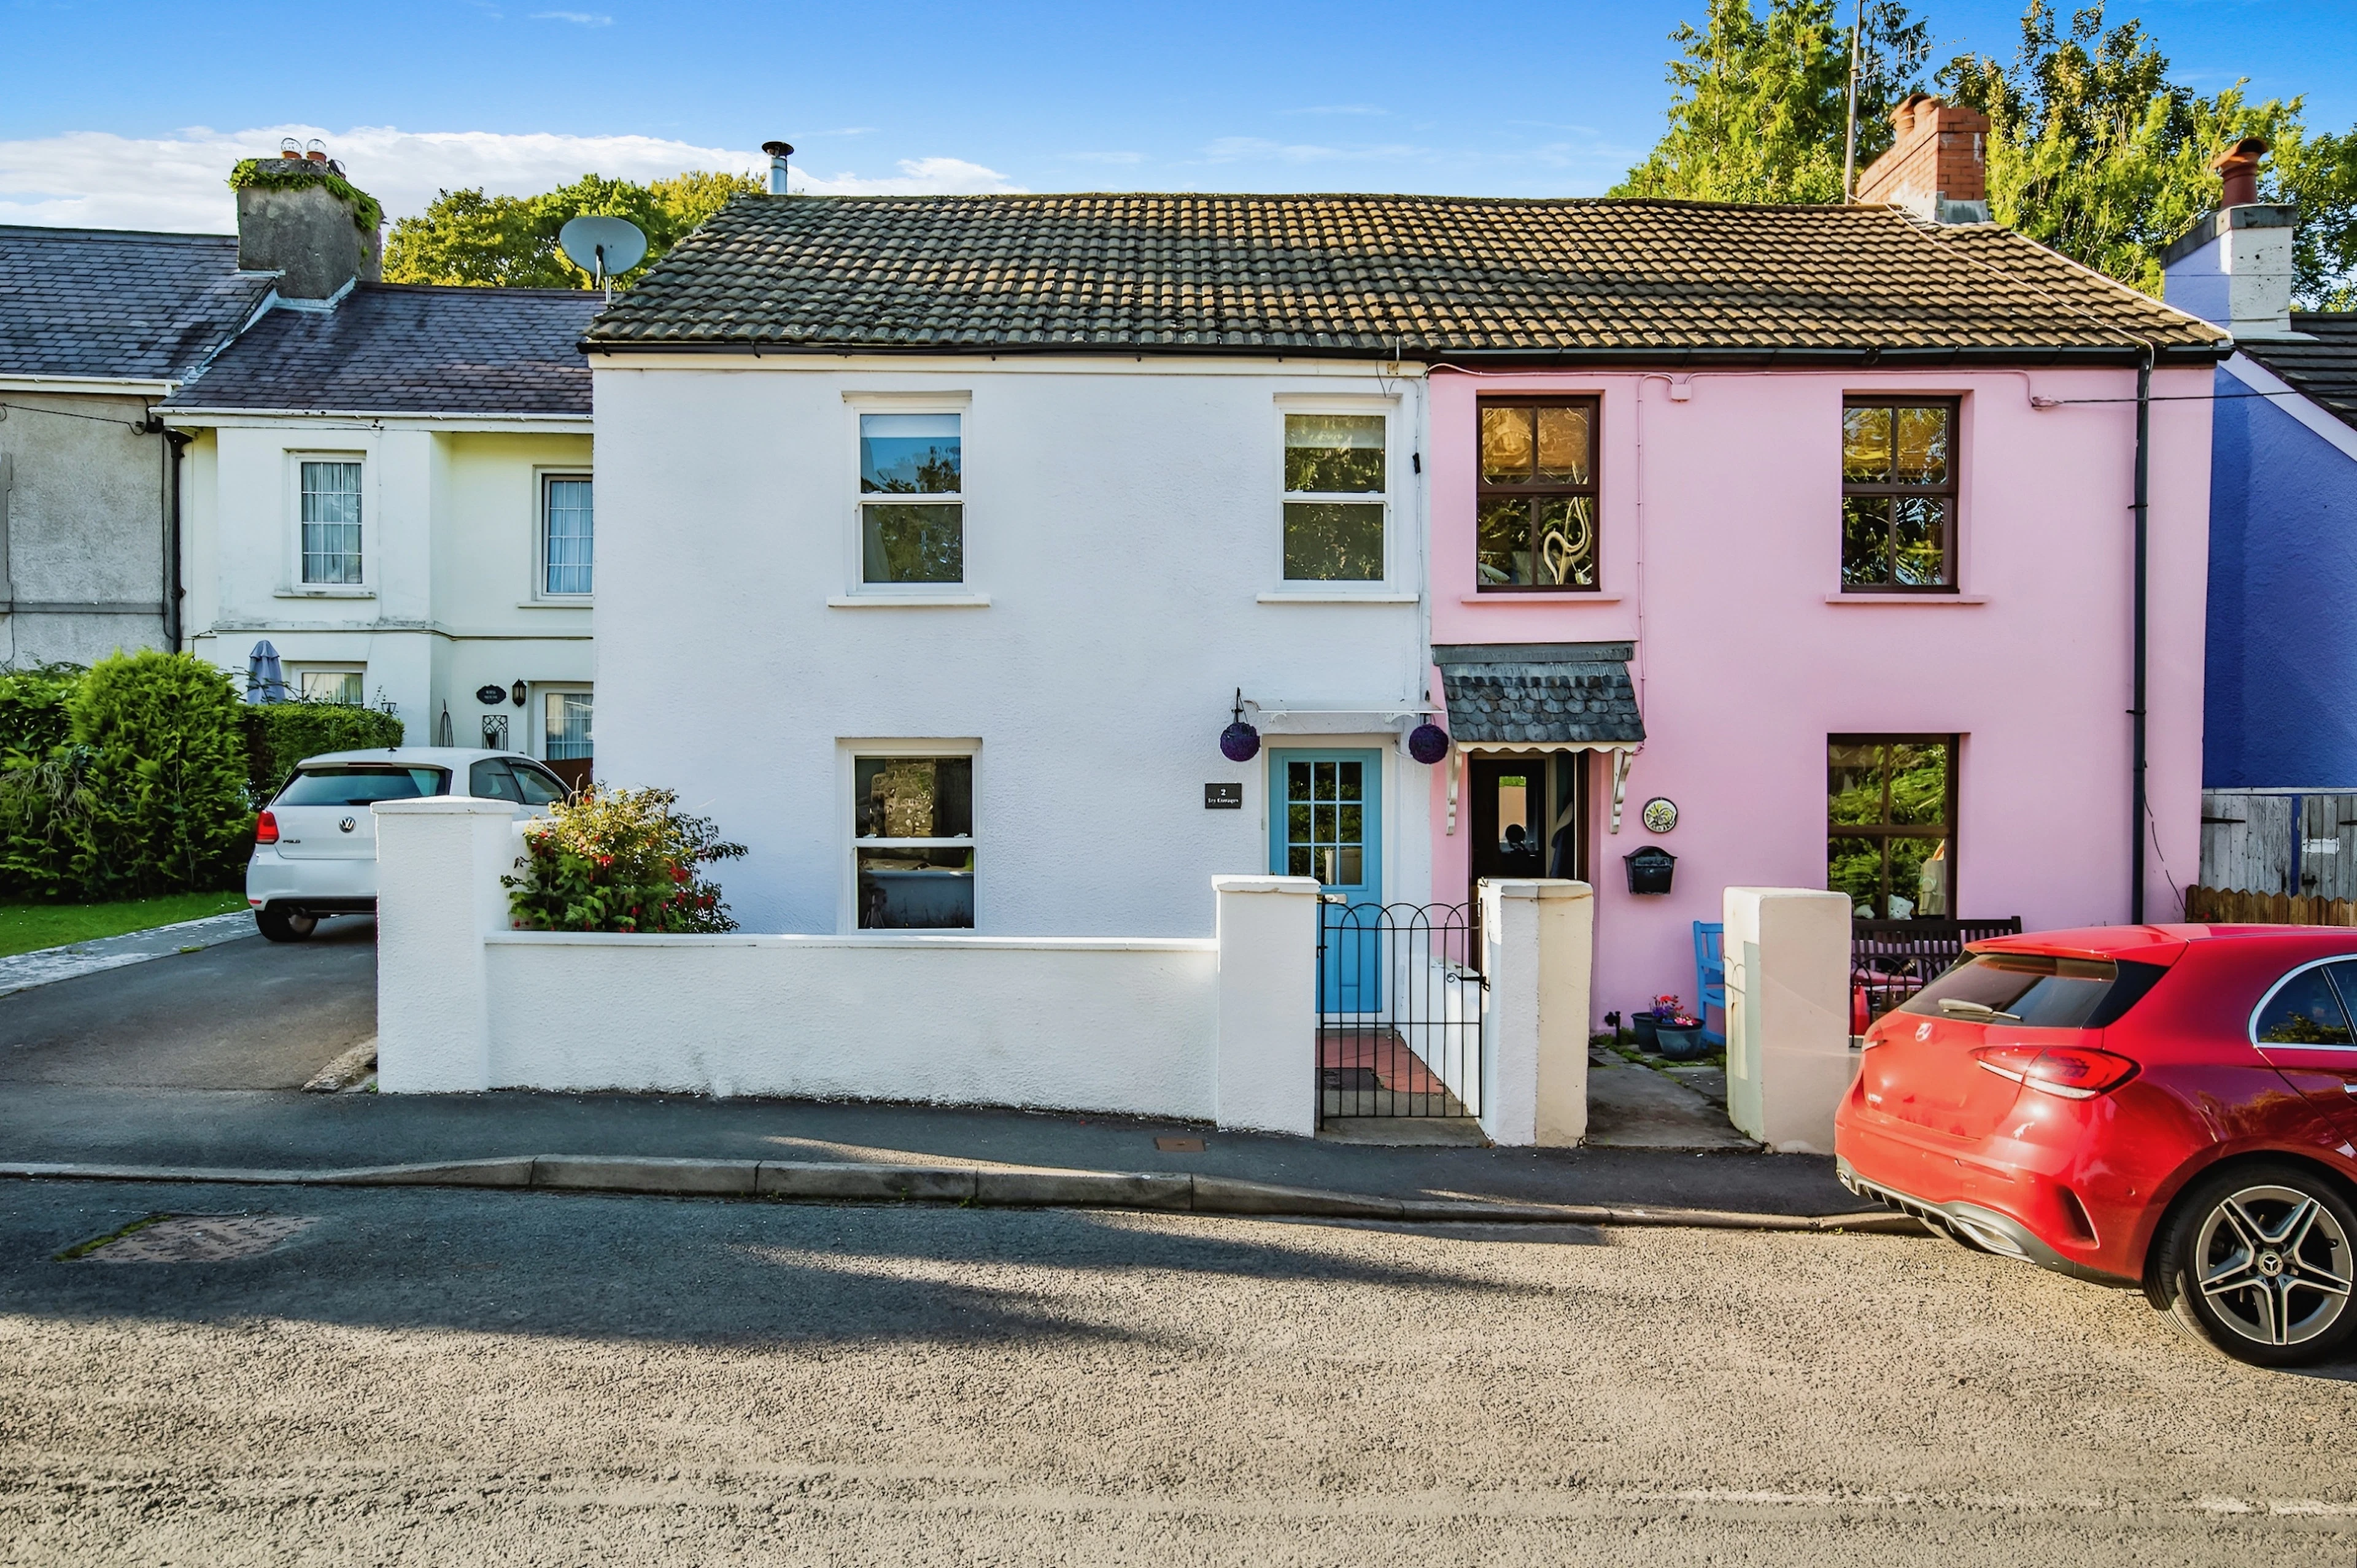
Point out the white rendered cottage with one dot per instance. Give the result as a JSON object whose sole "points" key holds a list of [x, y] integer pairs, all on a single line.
{"points": [[393, 488], [938, 592]]}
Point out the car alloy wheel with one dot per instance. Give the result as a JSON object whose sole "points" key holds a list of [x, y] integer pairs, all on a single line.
{"points": [[2260, 1266]]}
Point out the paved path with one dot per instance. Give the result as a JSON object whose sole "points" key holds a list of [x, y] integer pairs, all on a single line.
{"points": [[243, 1014], [45, 965], [429, 1378]]}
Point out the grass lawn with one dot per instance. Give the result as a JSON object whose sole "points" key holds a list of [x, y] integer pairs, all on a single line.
{"points": [[25, 927]]}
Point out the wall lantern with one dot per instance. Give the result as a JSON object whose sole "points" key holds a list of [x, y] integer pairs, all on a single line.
{"points": [[516, 693], [1239, 742], [1428, 743]]}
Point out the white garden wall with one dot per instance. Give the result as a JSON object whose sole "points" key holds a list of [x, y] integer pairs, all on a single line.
{"points": [[1076, 1024]]}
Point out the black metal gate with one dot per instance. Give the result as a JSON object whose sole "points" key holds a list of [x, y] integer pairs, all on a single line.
{"points": [[1400, 1000]]}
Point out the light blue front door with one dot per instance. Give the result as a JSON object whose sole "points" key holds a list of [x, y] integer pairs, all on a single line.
{"points": [[1328, 824]]}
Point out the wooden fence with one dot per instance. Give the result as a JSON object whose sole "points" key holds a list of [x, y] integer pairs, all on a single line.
{"points": [[2226, 907], [2289, 842]]}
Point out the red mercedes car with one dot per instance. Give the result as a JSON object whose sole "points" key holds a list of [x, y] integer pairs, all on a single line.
{"points": [[2168, 1108]]}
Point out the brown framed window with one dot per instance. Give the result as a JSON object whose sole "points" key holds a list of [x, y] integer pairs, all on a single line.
{"points": [[1890, 825], [1536, 527], [1898, 495]]}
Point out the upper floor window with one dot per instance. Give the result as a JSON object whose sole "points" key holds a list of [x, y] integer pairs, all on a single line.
{"points": [[1890, 815], [1334, 498], [331, 523], [1536, 521], [568, 534], [919, 534], [1899, 494]]}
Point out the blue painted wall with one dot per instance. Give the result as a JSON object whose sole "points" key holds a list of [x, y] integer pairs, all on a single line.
{"points": [[2280, 704]]}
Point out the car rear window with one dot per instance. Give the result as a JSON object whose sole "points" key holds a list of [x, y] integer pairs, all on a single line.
{"points": [[360, 786], [2036, 990]]}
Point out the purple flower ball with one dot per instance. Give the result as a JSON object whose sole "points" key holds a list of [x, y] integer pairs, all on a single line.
{"points": [[1428, 743], [1240, 742]]}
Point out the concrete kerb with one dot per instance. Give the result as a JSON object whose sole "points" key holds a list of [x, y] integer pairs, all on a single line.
{"points": [[821, 1182]]}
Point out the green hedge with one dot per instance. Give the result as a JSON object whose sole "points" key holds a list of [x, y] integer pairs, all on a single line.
{"points": [[280, 735], [141, 775]]}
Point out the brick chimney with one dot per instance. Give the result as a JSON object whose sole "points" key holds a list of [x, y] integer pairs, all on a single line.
{"points": [[2232, 269], [292, 217], [1937, 165]]}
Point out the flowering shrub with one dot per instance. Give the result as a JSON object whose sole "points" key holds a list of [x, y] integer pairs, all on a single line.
{"points": [[1671, 1010], [619, 860]]}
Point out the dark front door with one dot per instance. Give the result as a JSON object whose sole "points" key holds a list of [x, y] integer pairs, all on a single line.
{"points": [[1512, 802]]}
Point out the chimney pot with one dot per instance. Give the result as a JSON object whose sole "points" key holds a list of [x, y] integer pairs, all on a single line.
{"points": [[1934, 168], [779, 153], [2238, 171], [288, 148]]}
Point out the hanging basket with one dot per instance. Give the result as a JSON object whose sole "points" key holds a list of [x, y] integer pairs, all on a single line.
{"points": [[1428, 743]]}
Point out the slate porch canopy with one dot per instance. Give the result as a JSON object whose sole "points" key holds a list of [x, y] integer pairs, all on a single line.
{"points": [[1540, 697]]}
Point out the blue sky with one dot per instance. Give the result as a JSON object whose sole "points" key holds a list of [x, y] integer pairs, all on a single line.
{"points": [[126, 114]]}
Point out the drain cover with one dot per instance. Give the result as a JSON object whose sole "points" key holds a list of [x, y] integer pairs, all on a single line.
{"points": [[192, 1239]]}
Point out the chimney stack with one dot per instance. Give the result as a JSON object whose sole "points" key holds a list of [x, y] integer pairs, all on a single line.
{"points": [[1937, 165], [294, 218], [779, 153], [2233, 269]]}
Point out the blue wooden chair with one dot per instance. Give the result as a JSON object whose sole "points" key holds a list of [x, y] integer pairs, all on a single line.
{"points": [[1710, 978]]}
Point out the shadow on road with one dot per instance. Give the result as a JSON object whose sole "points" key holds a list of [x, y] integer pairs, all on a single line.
{"points": [[691, 1272]]}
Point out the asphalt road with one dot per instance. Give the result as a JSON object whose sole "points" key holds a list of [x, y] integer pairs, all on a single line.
{"points": [[246, 1014], [525, 1378]]}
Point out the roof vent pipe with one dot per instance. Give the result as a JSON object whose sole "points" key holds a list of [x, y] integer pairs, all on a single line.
{"points": [[2238, 167], [779, 153]]}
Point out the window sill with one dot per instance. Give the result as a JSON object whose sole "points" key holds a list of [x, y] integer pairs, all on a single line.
{"points": [[325, 594], [582, 603], [907, 601], [1540, 596], [1377, 595], [1926, 599]]}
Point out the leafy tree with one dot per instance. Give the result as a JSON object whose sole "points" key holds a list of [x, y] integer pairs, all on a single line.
{"points": [[2093, 150], [1763, 102], [467, 237]]}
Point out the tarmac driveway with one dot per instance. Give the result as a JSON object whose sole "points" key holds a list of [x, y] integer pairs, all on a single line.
{"points": [[245, 1015]]}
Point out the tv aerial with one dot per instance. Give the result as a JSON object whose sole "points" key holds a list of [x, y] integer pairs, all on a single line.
{"points": [[603, 247]]}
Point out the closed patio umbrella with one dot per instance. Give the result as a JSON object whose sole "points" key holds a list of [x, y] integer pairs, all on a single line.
{"points": [[266, 681]]}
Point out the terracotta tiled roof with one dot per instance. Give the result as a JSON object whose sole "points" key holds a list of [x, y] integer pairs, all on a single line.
{"points": [[2324, 366], [402, 348], [1374, 276]]}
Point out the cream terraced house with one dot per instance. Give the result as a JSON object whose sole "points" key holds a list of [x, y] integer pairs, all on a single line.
{"points": [[395, 488]]}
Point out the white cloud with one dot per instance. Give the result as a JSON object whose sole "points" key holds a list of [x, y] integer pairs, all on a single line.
{"points": [[578, 19], [918, 177], [1339, 109], [95, 180], [1234, 149]]}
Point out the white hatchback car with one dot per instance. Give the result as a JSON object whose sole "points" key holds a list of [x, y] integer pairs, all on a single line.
{"points": [[315, 843]]}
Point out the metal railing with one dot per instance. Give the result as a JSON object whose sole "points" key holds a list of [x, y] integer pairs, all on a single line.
{"points": [[1890, 961], [1400, 1002]]}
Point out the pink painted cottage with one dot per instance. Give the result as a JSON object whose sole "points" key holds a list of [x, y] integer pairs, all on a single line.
{"points": [[1821, 548]]}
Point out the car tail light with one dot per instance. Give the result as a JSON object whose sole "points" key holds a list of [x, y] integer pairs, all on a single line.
{"points": [[265, 829], [2074, 1073]]}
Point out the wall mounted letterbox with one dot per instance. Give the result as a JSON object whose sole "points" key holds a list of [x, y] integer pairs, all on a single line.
{"points": [[1650, 868]]}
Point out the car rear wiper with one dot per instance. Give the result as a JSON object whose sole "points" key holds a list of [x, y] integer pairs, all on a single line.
{"points": [[1976, 1009]]}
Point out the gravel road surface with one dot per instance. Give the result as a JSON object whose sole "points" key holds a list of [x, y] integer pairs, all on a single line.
{"points": [[525, 1378]]}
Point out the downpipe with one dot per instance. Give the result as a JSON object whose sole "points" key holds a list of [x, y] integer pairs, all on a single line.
{"points": [[2137, 808]]}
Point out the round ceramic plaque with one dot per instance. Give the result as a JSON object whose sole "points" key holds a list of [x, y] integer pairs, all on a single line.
{"points": [[1660, 815]]}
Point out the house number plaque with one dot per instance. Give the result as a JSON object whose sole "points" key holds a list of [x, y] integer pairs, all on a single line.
{"points": [[491, 696], [1223, 797], [1660, 815]]}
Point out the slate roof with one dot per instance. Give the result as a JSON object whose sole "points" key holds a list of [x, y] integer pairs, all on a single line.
{"points": [[1553, 692], [2325, 370], [1378, 276], [406, 349], [108, 303]]}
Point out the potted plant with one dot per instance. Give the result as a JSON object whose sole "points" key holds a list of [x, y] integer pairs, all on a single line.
{"points": [[1677, 1034]]}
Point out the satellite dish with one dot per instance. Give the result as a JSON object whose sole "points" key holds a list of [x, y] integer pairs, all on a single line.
{"points": [[603, 247]]}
